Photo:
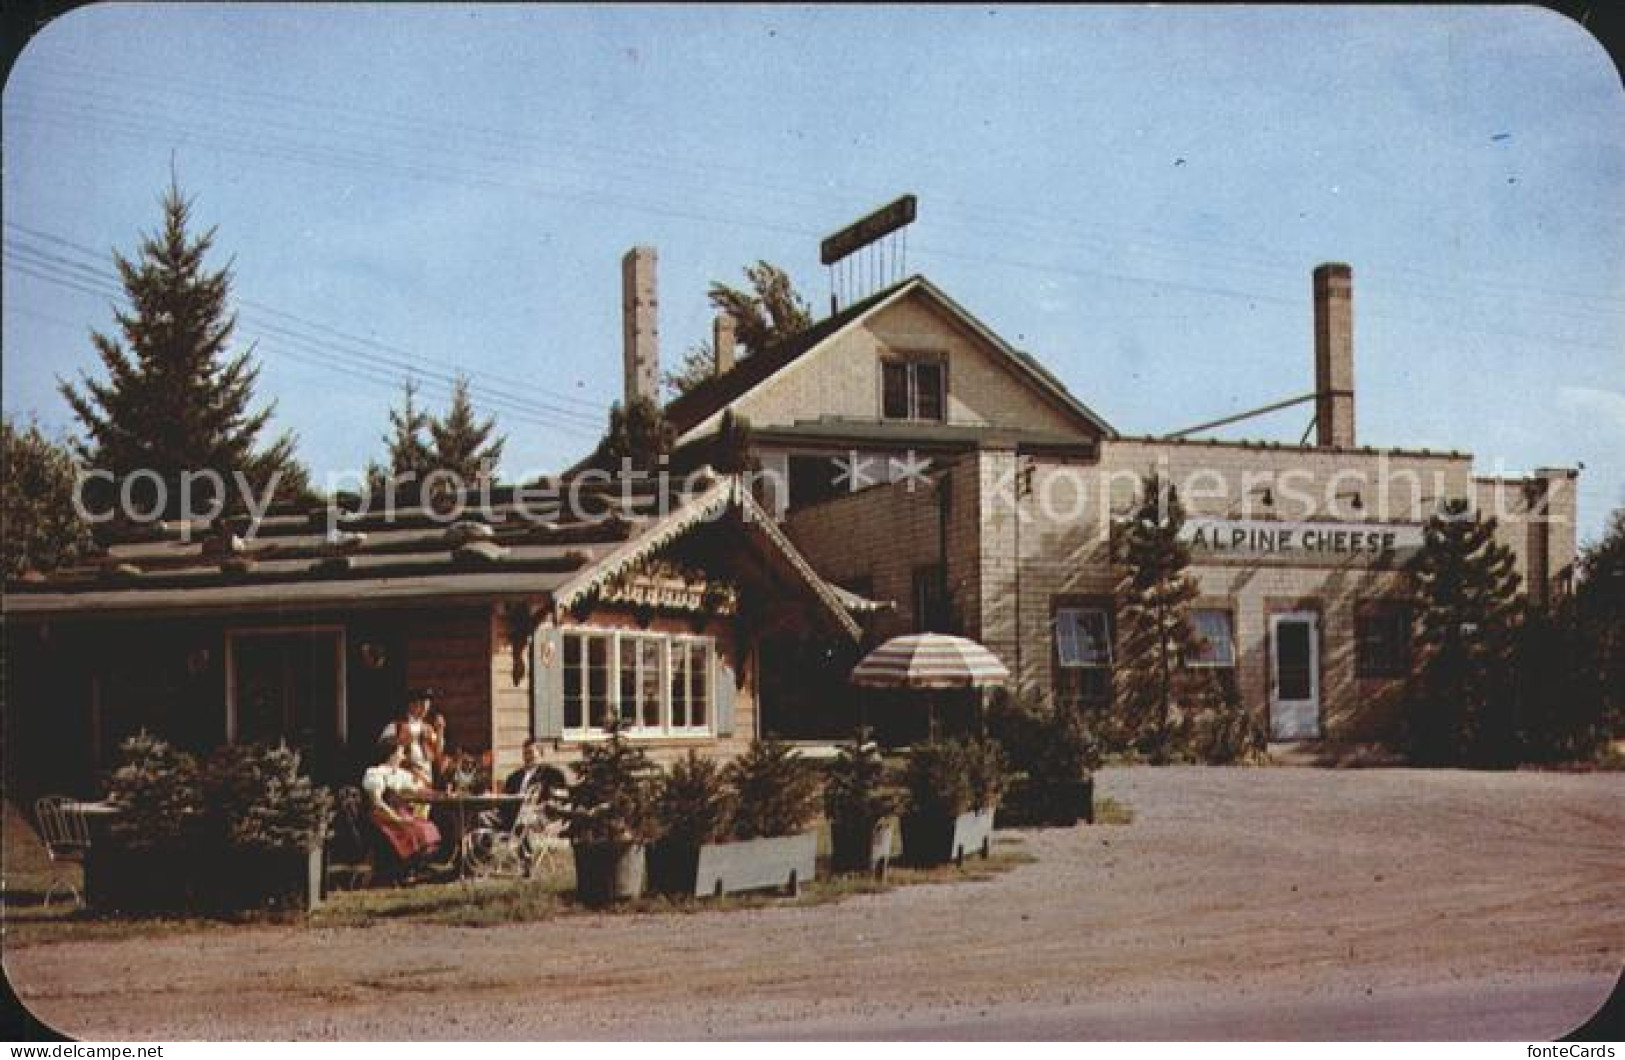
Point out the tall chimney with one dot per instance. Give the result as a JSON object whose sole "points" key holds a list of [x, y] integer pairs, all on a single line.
{"points": [[1334, 356], [722, 341], [640, 324]]}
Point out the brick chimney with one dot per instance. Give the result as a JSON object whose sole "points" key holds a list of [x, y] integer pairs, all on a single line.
{"points": [[640, 324], [722, 341], [1334, 356]]}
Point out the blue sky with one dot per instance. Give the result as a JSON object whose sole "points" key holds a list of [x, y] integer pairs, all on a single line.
{"points": [[1137, 195]]}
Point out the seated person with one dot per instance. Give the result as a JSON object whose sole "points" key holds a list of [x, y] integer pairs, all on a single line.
{"points": [[533, 774], [410, 836]]}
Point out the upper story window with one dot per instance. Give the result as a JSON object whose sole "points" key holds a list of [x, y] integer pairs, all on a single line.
{"points": [[913, 390], [1083, 654]]}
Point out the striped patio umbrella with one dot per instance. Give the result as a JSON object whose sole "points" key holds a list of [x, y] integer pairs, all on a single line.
{"points": [[930, 660]]}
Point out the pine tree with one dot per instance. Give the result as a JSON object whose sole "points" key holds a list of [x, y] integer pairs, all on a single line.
{"points": [[1459, 699], [175, 400], [639, 433], [41, 530], [1153, 688], [409, 453], [462, 445], [699, 363]]}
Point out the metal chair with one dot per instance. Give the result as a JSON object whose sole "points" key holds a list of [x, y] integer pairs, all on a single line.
{"points": [[66, 835], [489, 852], [351, 850]]}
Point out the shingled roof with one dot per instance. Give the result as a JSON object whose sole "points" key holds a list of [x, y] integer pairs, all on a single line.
{"points": [[552, 538], [689, 410]]}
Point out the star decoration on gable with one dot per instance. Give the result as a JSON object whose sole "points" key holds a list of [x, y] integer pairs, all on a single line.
{"points": [[853, 471], [911, 469]]}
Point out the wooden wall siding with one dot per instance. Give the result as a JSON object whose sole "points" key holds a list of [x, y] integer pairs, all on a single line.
{"points": [[451, 651], [511, 704]]}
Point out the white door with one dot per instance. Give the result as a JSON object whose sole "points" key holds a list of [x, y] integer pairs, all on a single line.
{"points": [[1294, 676]]}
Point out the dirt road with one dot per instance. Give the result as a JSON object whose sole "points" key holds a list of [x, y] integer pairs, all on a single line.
{"points": [[1240, 903]]}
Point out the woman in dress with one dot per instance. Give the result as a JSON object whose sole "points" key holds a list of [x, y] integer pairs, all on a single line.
{"points": [[421, 729], [409, 835]]}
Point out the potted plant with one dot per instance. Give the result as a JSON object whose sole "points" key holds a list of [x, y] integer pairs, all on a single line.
{"points": [[775, 799], [268, 829], [609, 819], [1052, 754], [694, 808], [859, 809], [953, 790], [146, 861]]}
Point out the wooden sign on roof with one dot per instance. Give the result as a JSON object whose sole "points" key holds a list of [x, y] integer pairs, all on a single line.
{"points": [[860, 233]]}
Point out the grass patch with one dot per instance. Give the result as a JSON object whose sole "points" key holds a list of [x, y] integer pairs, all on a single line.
{"points": [[1109, 811]]}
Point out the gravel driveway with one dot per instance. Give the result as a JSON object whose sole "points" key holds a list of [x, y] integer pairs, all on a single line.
{"points": [[1281, 902]]}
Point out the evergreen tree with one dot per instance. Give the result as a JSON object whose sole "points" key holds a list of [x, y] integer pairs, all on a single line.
{"points": [[699, 363], [1599, 615], [638, 433], [175, 400], [1153, 688], [1459, 699], [731, 445], [41, 530], [462, 444], [409, 453], [765, 313]]}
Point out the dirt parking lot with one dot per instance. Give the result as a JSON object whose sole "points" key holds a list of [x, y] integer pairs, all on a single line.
{"points": [[1239, 903]]}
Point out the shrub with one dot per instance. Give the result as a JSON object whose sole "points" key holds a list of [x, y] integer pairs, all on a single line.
{"points": [[694, 806], [984, 772], [257, 799], [610, 801], [776, 793], [854, 795], [158, 792], [937, 780], [1049, 744]]}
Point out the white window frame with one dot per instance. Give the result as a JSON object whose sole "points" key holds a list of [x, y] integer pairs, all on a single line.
{"points": [[341, 722], [910, 362], [1204, 664], [669, 643]]}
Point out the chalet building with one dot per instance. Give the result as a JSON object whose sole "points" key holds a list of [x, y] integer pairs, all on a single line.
{"points": [[539, 613], [916, 472], [914, 456]]}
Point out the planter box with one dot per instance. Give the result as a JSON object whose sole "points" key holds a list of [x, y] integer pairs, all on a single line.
{"points": [[238, 880], [862, 849], [931, 839], [125, 880], [609, 872], [1060, 804], [746, 865]]}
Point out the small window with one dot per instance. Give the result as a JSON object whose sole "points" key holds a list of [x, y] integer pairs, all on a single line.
{"points": [[1215, 637], [913, 390], [1382, 639], [894, 390], [1082, 638]]}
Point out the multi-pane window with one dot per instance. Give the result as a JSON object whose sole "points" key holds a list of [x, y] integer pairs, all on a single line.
{"points": [[912, 390], [1382, 639], [1215, 637], [1083, 650], [653, 682]]}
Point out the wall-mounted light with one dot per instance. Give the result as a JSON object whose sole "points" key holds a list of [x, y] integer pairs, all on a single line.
{"points": [[373, 656], [197, 661]]}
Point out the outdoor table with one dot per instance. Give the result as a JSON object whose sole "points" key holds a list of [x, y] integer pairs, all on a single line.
{"points": [[460, 803]]}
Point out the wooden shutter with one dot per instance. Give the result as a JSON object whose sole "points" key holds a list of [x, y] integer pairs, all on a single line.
{"points": [[547, 683], [723, 690]]}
